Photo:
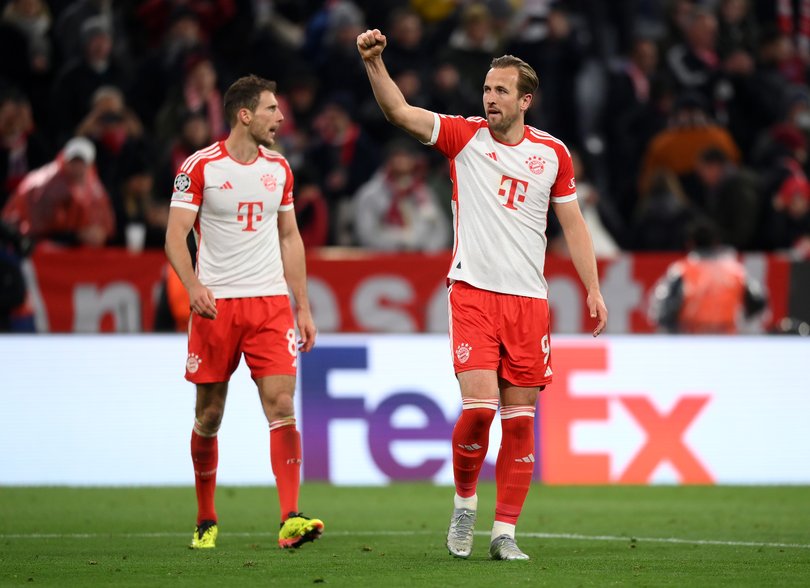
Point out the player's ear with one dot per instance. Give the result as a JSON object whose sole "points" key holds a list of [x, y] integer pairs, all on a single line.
{"points": [[526, 102], [244, 116]]}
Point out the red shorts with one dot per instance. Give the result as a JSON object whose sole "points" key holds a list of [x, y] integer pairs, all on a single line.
{"points": [[501, 332], [262, 328]]}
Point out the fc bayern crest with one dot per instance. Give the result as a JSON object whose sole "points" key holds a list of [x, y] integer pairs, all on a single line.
{"points": [[269, 181], [193, 363], [463, 352], [182, 182], [537, 164]]}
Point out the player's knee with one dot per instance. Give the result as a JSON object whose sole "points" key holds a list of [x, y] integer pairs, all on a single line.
{"points": [[210, 420], [282, 405]]}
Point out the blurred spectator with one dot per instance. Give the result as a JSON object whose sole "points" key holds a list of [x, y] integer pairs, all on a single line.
{"points": [[344, 157], [33, 18], [118, 136], [737, 27], [164, 61], [64, 200], [407, 48], [729, 196], [708, 291], [16, 314], [471, 46], [558, 58], [197, 93], [78, 80], [141, 218], [21, 148], [694, 61], [690, 133], [311, 210], [69, 29], [631, 116], [789, 220], [195, 133], [447, 93], [604, 223], [396, 210], [662, 214], [334, 48], [158, 16]]}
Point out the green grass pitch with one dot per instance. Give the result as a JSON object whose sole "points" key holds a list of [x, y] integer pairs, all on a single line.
{"points": [[394, 536]]}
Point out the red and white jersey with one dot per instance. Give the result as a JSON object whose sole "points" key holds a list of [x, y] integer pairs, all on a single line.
{"points": [[237, 204], [501, 195]]}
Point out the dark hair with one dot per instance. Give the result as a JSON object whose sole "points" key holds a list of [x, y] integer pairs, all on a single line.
{"points": [[702, 233], [245, 93], [527, 77]]}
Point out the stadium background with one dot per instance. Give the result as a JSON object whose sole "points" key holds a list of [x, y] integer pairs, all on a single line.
{"points": [[377, 395]]}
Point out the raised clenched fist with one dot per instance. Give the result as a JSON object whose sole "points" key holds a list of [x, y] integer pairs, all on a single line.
{"points": [[371, 43]]}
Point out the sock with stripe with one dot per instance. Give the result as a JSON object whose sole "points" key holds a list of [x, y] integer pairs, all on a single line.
{"points": [[515, 465], [205, 456], [470, 442], [285, 459]]}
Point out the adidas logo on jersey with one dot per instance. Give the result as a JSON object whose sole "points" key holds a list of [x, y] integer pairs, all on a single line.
{"points": [[226, 186], [492, 155], [548, 372]]}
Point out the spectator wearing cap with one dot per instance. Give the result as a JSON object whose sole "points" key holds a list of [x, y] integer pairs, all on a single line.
{"points": [[64, 200], [690, 132], [79, 78]]}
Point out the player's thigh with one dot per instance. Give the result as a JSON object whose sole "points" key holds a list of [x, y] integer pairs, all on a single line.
{"points": [[213, 345], [269, 343], [478, 383], [526, 342], [473, 330]]}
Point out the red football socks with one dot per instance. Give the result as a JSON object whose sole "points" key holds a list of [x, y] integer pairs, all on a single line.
{"points": [[470, 442], [515, 465], [205, 455], [285, 459]]}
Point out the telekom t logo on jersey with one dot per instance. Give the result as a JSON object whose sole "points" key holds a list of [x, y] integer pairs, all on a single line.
{"points": [[251, 212], [513, 189]]}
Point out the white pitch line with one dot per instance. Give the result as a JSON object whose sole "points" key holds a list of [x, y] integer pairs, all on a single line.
{"points": [[564, 536]]}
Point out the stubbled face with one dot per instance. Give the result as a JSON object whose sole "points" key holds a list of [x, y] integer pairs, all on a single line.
{"points": [[503, 105], [265, 120]]}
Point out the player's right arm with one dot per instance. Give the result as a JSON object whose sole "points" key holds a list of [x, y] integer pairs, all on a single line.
{"points": [[416, 121], [201, 299]]}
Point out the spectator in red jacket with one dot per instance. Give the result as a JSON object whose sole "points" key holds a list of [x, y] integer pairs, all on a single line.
{"points": [[64, 200]]}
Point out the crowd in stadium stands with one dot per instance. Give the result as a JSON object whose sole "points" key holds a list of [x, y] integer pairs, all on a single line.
{"points": [[675, 111]]}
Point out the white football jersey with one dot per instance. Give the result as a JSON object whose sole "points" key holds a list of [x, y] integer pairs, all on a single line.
{"points": [[501, 195], [237, 204]]}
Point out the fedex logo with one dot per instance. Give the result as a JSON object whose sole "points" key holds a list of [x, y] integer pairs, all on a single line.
{"points": [[663, 430], [654, 432]]}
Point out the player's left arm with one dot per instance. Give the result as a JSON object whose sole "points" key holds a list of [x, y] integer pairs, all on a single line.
{"points": [[578, 238], [295, 272]]}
